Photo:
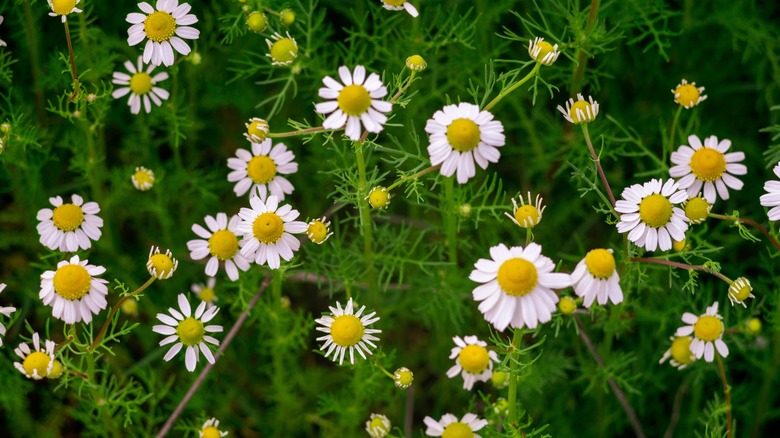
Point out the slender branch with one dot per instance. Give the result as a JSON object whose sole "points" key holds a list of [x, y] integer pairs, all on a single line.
{"points": [[750, 222], [621, 397], [409, 411], [513, 371], [727, 394], [598, 165], [668, 153], [676, 406], [72, 63], [299, 132], [202, 376], [414, 176], [115, 308], [393, 99], [513, 87], [681, 266]]}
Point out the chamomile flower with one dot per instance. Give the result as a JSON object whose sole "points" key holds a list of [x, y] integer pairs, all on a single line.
{"points": [[257, 21], [161, 265], [210, 429], [527, 215], [707, 333], [708, 165], [73, 290], [596, 277], [461, 134], [543, 52], [319, 230], [63, 8], [740, 290], [581, 110], [649, 215], [268, 231], [772, 196], [697, 209], [205, 292], [5, 311], [283, 50], [416, 63], [261, 170], [163, 30], [187, 330], [221, 242], [346, 330], [378, 426], [379, 197], [256, 130], [473, 361], [679, 353], [567, 305], [516, 287], [142, 178], [449, 426], [37, 362], [69, 226], [403, 378], [141, 86], [355, 100], [688, 95], [400, 5]]}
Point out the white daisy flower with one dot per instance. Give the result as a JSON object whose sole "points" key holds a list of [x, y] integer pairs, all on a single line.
{"points": [[403, 378], [283, 50], [2, 43], [449, 426], [189, 331], [268, 231], [543, 52], [707, 165], [73, 291], [63, 8], [210, 429], [142, 178], [221, 242], [141, 86], [527, 215], [461, 134], [649, 215], [772, 196], [688, 95], [580, 111], [161, 265], [69, 226], [596, 277], [37, 362], [262, 169], [347, 330], [739, 291], [318, 230], [378, 426], [163, 29], [472, 360], [400, 5], [679, 352], [707, 333], [5, 311], [206, 292], [356, 101], [517, 286]]}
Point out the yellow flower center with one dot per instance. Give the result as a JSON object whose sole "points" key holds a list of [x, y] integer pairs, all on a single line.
{"points": [[754, 325], [517, 277], [287, 17], [545, 48], [582, 105], [259, 129], [56, 370], [404, 377], [210, 432], [284, 50], [379, 197], [162, 264], [463, 134], [354, 100], [655, 210], [72, 282], [207, 294], [130, 307], [395, 2], [159, 26], [681, 350], [36, 361], [708, 328], [457, 430], [474, 359], [62, 7], [416, 62], [268, 227], [67, 217], [257, 21], [697, 209], [223, 244], [527, 216], [708, 164], [377, 425], [499, 379], [141, 83], [679, 246], [740, 289], [143, 177], [190, 331], [346, 330], [261, 169], [687, 95], [567, 305], [317, 231], [600, 263]]}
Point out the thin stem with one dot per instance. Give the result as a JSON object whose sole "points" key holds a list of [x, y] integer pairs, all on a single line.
{"points": [[72, 62], [450, 225], [528, 236], [393, 99], [513, 87], [31, 32], [727, 394], [621, 397], [668, 153], [598, 165], [116, 307], [202, 376], [376, 362], [582, 55], [299, 132], [513, 371], [365, 217], [400, 180], [750, 222], [681, 266]]}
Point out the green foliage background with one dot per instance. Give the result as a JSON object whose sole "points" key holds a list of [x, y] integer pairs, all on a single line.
{"points": [[272, 381]]}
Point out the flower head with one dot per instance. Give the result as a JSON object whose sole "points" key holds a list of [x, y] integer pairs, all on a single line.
{"points": [[596, 277], [543, 52], [697, 209], [707, 333], [73, 291], [69, 226], [400, 5], [206, 292], [283, 50], [346, 330], [5, 311], [416, 63], [679, 352], [403, 377], [210, 429], [708, 165], [319, 230], [163, 30], [187, 330], [37, 362], [141, 86], [256, 130], [527, 215], [378, 426], [772, 196], [516, 287], [580, 111], [649, 215], [261, 170], [567, 305], [287, 17], [161, 266], [473, 361], [257, 22], [379, 197], [268, 231], [461, 134], [220, 241], [740, 290], [63, 8], [449, 426], [688, 95], [142, 178]]}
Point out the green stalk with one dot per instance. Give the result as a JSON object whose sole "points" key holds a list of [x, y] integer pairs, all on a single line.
{"points": [[598, 165], [513, 372], [365, 217], [582, 55], [448, 216], [31, 32], [668, 153], [727, 394], [513, 87]]}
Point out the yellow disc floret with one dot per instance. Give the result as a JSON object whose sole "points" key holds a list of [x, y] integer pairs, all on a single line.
{"points": [[143, 178], [210, 432], [354, 100], [207, 294], [284, 51], [457, 430], [527, 216], [72, 281], [36, 361], [190, 331], [500, 379], [256, 22], [162, 265], [379, 197], [141, 83], [517, 277], [257, 130], [317, 231], [697, 209], [287, 17], [63, 7], [261, 169], [681, 350], [403, 377], [567, 305], [223, 244], [56, 370], [600, 263], [395, 3], [655, 210], [463, 135], [346, 330], [67, 217], [680, 246], [416, 63], [544, 48], [708, 328], [581, 112], [687, 95], [754, 326], [740, 290], [474, 359], [159, 26], [268, 227], [708, 164]]}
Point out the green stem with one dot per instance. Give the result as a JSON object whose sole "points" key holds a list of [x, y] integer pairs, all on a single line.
{"points": [[448, 215], [513, 87], [383, 369], [750, 222], [365, 217], [513, 372], [31, 31], [682, 266], [528, 236], [726, 393], [582, 55], [400, 180], [72, 63], [299, 132], [598, 165], [668, 153], [115, 308]]}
